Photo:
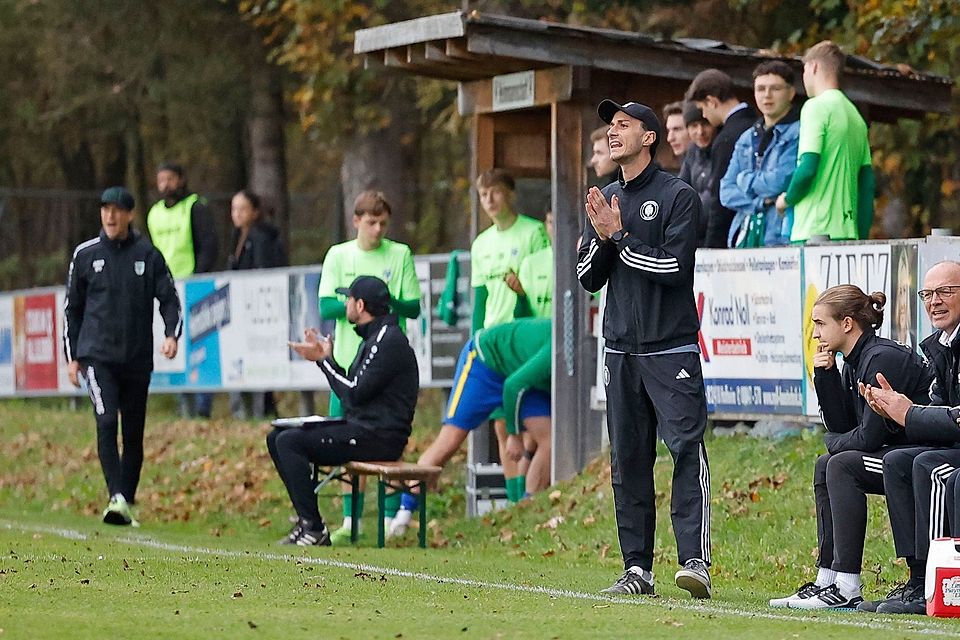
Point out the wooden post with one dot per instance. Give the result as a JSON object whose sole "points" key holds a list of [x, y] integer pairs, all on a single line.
{"points": [[576, 430]]}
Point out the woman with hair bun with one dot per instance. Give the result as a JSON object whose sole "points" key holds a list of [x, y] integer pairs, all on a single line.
{"points": [[846, 321]]}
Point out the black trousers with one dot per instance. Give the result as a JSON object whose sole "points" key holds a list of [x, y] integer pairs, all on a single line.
{"points": [[841, 483], [119, 396], [915, 480], [953, 506], [293, 450], [649, 396]]}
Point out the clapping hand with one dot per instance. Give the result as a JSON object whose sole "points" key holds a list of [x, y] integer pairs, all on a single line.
{"points": [[604, 217], [886, 402], [314, 346]]}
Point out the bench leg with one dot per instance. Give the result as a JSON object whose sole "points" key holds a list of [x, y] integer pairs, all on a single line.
{"points": [[381, 508], [354, 516], [422, 534]]}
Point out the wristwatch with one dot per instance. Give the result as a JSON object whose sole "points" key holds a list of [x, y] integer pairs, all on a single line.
{"points": [[618, 235]]}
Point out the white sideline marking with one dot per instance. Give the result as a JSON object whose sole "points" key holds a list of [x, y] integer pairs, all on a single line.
{"points": [[907, 626]]}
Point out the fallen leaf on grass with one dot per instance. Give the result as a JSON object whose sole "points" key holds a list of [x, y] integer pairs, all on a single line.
{"points": [[251, 624], [604, 550], [549, 553], [555, 495], [238, 594]]}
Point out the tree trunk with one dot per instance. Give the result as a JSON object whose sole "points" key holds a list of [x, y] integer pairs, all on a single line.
{"points": [[268, 168], [383, 160]]}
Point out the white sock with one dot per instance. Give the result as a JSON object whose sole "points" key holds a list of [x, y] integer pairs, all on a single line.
{"points": [[849, 583], [825, 577], [643, 573], [347, 522]]}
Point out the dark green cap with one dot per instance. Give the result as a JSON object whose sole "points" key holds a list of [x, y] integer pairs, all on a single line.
{"points": [[118, 196]]}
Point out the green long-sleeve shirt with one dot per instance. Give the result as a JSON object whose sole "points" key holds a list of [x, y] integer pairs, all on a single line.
{"points": [[520, 352]]}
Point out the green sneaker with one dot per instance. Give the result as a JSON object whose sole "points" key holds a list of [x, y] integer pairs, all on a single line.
{"points": [[341, 537], [118, 512]]}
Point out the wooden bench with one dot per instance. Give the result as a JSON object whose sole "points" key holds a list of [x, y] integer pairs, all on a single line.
{"points": [[399, 476]]}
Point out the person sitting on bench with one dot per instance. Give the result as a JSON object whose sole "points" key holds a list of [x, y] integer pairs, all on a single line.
{"points": [[379, 396]]}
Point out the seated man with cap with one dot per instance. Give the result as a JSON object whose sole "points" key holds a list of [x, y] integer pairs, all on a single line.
{"points": [[378, 393]]}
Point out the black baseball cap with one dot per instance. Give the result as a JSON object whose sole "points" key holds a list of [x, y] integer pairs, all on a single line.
{"points": [[118, 196], [608, 108], [372, 290]]}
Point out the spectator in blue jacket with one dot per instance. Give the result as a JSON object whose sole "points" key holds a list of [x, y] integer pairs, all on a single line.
{"points": [[763, 161]]}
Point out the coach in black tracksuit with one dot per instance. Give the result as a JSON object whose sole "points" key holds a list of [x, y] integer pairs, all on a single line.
{"points": [[641, 240], [108, 338], [378, 393]]}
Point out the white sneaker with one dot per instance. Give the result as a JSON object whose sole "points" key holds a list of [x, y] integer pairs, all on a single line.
{"points": [[118, 512], [829, 598], [805, 592], [400, 523]]}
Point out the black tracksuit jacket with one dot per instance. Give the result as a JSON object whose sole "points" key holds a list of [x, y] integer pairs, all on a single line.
{"points": [[851, 424], [379, 391], [938, 423], [108, 315], [650, 305]]}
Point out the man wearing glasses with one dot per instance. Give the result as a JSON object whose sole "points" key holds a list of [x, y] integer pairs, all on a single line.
{"points": [[914, 478]]}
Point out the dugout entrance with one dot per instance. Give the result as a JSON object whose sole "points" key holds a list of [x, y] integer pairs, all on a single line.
{"points": [[531, 89]]}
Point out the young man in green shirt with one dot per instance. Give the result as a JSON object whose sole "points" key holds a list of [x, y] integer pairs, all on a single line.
{"points": [[506, 366], [495, 258], [832, 189], [369, 254], [535, 288]]}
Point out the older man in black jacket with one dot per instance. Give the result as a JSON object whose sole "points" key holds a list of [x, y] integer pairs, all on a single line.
{"points": [[378, 394], [914, 479]]}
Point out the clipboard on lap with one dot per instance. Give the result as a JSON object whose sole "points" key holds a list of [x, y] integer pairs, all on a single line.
{"points": [[305, 421]]}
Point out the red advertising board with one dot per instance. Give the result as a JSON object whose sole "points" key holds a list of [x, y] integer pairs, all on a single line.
{"points": [[35, 342]]}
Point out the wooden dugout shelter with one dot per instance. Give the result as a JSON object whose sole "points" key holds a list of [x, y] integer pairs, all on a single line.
{"points": [[531, 89]]}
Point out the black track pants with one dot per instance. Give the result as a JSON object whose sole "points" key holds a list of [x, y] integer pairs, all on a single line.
{"points": [[915, 481], [841, 483], [119, 397], [650, 396], [293, 450]]}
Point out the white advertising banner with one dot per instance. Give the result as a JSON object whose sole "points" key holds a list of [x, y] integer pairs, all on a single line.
{"points": [[418, 330], [253, 345], [867, 266], [750, 330]]}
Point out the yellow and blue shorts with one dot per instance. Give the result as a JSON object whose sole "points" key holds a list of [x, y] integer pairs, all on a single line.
{"points": [[478, 392]]}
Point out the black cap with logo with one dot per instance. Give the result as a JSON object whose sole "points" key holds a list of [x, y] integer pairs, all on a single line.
{"points": [[118, 196], [608, 108], [372, 290]]}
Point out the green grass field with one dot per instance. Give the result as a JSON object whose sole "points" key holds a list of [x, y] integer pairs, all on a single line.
{"points": [[204, 563]]}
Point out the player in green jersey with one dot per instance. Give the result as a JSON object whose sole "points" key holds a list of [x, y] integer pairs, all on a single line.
{"points": [[508, 365], [832, 189], [495, 258], [535, 286], [369, 254]]}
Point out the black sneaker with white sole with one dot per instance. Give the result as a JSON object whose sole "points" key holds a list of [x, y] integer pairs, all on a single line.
{"points": [[828, 598], [695, 578], [304, 534], [910, 601], [870, 606], [631, 583]]}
